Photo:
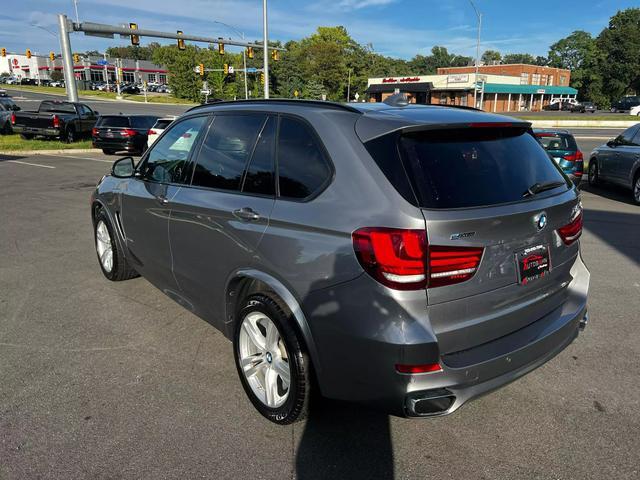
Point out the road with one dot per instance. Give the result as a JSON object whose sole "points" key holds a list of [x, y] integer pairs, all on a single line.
{"points": [[114, 380]]}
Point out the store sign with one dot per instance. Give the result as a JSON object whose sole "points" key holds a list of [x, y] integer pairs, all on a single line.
{"points": [[401, 80], [458, 78], [541, 90]]}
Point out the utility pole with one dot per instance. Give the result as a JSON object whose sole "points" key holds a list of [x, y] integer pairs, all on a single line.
{"points": [[106, 71], [67, 60], [265, 48], [349, 87], [475, 80]]}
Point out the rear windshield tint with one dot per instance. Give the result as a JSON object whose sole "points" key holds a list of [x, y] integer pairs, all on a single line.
{"points": [[113, 121], [465, 168], [557, 141], [55, 107], [143, 122], [162, 124]]}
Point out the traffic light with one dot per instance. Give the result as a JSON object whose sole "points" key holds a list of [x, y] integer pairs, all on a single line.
{"points": [[28, 53], [135, 39], [202, 69], [76, 58], [250, 52], [221, 48], [52, 56], [3, 52], [275, 55], [262, 78], [225, 68], [181, 45]]}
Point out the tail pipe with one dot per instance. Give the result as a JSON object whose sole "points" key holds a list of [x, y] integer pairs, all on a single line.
{"points": [[430, 403]]}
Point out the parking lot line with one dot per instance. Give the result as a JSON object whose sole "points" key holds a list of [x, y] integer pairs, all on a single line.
{"points": [[32, 164], [85, 158]]}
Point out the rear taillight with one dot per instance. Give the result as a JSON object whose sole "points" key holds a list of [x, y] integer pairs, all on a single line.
{"points": [[13, 119], [412, 369], [402, 260], [572, 230], [94, 132], [449, 265], [152, 132], [578, 159], [56, 121], [127, 132]]}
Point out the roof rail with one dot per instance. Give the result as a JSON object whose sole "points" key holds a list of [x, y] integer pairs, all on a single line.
{"points": [[283, 101]]}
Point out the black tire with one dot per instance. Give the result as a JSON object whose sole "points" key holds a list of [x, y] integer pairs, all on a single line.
{"points": [[120, 269], [593, 173], [635, 191], [7, 130], [70, 135], [26, 136], [296, 405], [106, 151]]}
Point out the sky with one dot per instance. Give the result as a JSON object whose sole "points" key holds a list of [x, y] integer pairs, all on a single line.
{"points": [[398, 28]]}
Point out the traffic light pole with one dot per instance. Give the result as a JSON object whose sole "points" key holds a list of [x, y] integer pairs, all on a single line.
{"points": [[67, 60], [265, 48]]}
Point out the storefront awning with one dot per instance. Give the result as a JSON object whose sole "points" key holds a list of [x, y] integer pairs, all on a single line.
{"points": [[528, 89], [403, 87]]}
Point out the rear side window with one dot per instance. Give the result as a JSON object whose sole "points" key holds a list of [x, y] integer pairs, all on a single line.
{"points": [[302, 167], [559, 141], [162, 124], [116, 121], [472, 167], [143, 122], [626, 137], [226, 150], [56, 107], [260, 172]]}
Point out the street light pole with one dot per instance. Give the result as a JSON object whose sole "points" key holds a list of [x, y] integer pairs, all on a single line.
{"points": [[106, 71], [67, 60], [265, 48], [244, 56], [475, 80]]}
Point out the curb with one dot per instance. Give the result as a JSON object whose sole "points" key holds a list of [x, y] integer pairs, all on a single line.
{"points": [[582, 123], [49, 152], [103, 99]]}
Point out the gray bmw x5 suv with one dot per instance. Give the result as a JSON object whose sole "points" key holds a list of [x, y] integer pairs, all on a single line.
{"points": [[408, 257]]}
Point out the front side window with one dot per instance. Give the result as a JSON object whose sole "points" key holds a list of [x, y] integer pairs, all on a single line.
{"points": [[226, 151], [168, 159], [626, 137], [302, 168]]}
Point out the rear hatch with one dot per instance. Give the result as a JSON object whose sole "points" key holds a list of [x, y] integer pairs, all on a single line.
{"points": [[112, 129], [562, 148], [493, 203]]}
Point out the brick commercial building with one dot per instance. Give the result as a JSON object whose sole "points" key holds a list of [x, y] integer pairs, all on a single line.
{"points": [[495, 92], [528, 74]]}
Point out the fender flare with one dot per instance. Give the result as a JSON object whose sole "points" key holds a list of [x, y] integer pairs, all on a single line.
{"points": [[112, 219], [291, 302]]}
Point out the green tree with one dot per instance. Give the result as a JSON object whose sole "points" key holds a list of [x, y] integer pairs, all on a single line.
{"points": [[519, 58], [313, 90], [619, 44], [56, 75], [490, 57]]}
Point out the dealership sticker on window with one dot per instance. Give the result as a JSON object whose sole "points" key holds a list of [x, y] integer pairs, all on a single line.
{"points": [[533, 263]]}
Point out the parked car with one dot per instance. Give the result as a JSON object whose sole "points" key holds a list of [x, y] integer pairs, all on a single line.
{"points": [[129, 88], [65, 120], [28, 81], [159, 127], [5, 118], [635, 111], [563, 149], [58, 83], [12, 81], [625, 104], [583, 107], [618, 161], [115, 133], [9, 104], [411, 258]]}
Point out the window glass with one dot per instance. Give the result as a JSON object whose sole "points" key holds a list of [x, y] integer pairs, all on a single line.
{"points": [[113, 121], [143, 122], [626, 137], [475, 166], [169, 156], [302, 168], [226, 150], [557, 141], [260, 173], [162, 124]]}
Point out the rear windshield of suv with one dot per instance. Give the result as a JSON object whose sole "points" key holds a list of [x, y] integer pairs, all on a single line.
{"points": [[465, 168], [557, 141], [113, 121], [139, 121], [162, 124]]}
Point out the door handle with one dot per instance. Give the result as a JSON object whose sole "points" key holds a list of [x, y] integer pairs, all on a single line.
{"points": [[246, 213]]}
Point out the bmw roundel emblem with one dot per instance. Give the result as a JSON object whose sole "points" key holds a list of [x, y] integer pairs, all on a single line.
{"points": [[542, 221]]}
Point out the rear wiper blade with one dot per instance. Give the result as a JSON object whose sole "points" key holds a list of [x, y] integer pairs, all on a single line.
{"points": [[541, 187]]}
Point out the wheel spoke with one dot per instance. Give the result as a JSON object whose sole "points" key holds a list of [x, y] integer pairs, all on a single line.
{"points": [[254, 334], [103, 257], [271, 387], [252, 365], [272, 335], [281, 367]]}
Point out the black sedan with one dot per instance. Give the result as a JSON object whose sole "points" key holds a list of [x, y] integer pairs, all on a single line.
{"points": [[584, 107]]}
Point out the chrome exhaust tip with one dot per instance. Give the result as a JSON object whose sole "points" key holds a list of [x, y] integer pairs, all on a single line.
{"points": [[584, 321], [430, 403]]}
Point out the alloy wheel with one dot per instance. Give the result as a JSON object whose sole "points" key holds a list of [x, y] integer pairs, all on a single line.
{"points": [[103, 246], [264, 359], [593, 174], [636, 190]]}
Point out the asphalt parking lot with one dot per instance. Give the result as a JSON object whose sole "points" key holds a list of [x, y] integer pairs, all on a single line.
{"points": [[113, 380]]}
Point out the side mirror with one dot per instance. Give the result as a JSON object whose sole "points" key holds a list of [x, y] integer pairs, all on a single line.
{"points": [[123, 168], [96, 113], [16, 108], [612, 143]]}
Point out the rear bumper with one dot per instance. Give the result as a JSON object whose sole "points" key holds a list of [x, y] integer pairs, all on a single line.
{"points": [[47, 132], [358, 353], [128, 145]]}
